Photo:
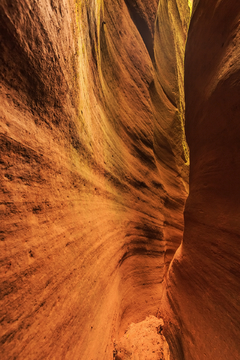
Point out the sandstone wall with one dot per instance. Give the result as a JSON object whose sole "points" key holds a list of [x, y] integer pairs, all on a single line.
{"points": [[203, 281], [167, 94], [84, 194]]}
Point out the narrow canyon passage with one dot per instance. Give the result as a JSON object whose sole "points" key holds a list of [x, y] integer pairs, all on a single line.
{"points": [[94, 179]]}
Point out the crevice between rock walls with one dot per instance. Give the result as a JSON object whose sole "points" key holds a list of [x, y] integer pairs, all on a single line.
{"points": [[93, 170], [170, 147]]}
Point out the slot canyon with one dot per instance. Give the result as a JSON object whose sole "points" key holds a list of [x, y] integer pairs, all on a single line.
{"points": [[120, 179]]}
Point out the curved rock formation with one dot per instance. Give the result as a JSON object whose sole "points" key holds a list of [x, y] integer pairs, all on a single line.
{"points": [[203, 281], [82, 201], [167, 93], [94, 175]]}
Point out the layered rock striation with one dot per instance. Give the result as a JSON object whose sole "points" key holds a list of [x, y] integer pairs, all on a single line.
{"points": [[83, 204], [94, 177], [167, 94]]}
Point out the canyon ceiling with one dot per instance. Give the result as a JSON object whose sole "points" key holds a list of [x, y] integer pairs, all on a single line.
{"points": [[109, 213]]}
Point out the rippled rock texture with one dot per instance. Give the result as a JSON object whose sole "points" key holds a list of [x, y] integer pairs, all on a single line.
{"points": [[92, 194], [94, 176]]}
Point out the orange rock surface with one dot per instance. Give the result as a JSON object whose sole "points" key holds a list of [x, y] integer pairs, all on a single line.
{"points": [[94, 178], [203, 281], [82, 202]]}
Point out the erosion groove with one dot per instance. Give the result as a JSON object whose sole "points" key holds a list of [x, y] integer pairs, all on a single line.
{"points": [[94, 179]]}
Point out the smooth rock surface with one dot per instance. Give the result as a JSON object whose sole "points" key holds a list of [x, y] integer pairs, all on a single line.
{"points": [[203, 281]]}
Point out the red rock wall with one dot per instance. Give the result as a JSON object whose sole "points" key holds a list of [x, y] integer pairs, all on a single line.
{"points": [[167, 94], [203, 281], [84, 195]]}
